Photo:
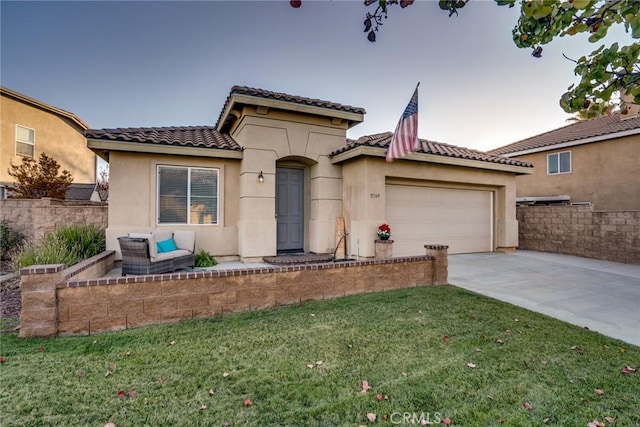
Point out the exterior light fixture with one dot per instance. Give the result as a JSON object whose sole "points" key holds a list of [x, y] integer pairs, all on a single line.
{"points": [[260, 177]]}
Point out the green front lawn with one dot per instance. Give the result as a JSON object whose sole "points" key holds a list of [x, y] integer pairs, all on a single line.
{"points": [[431, 354]]}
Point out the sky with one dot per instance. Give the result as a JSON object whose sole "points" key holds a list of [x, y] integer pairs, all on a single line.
{"points": [[159, 63]]}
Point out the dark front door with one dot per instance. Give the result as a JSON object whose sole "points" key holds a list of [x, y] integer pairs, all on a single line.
{"points": [[289, 209]]}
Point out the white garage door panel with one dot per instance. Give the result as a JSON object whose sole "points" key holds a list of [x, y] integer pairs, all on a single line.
{"points": [[461, 219]]}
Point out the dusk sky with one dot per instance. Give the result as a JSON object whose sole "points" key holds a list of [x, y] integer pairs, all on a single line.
{"points": [[135, 64]]}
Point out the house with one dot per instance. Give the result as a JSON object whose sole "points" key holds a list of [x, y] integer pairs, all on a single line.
{"points": [[31, 127], [587, 162], [276, 174]]}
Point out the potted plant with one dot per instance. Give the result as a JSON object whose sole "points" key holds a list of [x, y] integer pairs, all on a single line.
{"points": [[384, 232]]}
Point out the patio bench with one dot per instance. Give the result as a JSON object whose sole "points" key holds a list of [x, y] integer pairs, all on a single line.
{"points": [[156, 253]]}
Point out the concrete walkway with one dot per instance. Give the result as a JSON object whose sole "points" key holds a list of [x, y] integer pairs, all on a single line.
{"points": [[603, 296]]}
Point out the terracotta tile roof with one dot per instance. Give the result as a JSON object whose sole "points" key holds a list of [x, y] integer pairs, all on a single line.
{"points": [[185, 136], [382, 140], [261, 93], [600, 126]]}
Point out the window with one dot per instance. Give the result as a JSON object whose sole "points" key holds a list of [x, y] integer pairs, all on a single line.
{"points": [[559, 163], [187, 195], [25, 141]]}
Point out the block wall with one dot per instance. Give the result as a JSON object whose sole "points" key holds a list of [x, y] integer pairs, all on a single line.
{"points": [[72, 306], [581, 231], [36, 217]]}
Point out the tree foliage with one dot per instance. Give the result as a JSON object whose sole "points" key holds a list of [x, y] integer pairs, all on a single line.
{"points": [[35, 180], [605, 73]]}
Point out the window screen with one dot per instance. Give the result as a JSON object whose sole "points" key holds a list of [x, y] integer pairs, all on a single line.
{"points": [[187, 195], [25, 141]]}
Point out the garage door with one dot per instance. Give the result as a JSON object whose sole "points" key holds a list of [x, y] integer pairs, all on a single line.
{"points": [[461, 219]]}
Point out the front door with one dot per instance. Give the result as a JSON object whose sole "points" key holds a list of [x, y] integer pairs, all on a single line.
{"points": [[289, 209]]}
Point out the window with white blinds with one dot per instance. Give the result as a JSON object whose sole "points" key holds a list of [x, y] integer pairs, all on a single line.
{"points": [[187, 195], [25, 141]]}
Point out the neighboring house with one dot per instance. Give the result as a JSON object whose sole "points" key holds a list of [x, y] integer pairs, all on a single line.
{"points": [[276, 173], [31, 127], [592, 161]]}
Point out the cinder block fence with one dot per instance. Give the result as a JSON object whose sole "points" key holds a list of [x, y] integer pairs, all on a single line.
{"points": [[58, 301]]}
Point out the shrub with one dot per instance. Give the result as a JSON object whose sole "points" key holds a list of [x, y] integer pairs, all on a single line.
{"points": [[66, 245], [205, 259], [11, 240], [38, 179]]}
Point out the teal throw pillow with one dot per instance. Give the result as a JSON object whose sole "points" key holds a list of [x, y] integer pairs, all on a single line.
{"points": [[166, 246]]}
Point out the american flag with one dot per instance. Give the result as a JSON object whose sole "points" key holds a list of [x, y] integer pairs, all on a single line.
{"points": [[405, 138]]}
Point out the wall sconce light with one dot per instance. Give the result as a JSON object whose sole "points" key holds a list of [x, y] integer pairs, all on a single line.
{"points": [[260, 177]]}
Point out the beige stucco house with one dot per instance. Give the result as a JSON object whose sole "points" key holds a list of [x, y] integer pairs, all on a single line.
{"points": [[277, 174], [593, 161], [30, 127]]}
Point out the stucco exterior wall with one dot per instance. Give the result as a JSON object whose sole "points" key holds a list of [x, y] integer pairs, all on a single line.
{"points": [[272, 139], [365, 199], [56, 136], [133, 200], [605, 173]]}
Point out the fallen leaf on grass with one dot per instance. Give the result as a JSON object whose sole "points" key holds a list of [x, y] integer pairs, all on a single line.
{"points": [[527, 406], [446, 421], [499, 342], [226, 374], [623, 350], [133, 393], [546, 420], [501, 420], [507, 331], [610, 420], [172, 343], [445, 338], [80, 373], [598, 391], [371, 417], [248, 403], [313, 315], [211, 392], [310, 366], [577, 348], [40, 348], [2, 360], [160, 380], [404, 374], [319, 362], [365, 386], [202, 407], [471, 365], [595, 423], [379, 397], [109, 425], [121, 393]]}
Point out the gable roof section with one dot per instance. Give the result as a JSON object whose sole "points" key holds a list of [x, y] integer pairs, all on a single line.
{"points": [[382, 140], [46, 107], [582, 132], [243, 95], [197, 140]]}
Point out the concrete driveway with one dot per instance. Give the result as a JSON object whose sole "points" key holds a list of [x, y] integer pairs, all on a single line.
{"points": [[603, 296]]}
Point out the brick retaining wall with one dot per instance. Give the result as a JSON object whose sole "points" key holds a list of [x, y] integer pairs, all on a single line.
{"points": [[56, 302], [36, 217], [581, 231]]}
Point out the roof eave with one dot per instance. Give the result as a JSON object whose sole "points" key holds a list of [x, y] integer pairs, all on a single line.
{"points": [[50, 108], [103, 147], [243, 99], [431, 158], [573, 143]]}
